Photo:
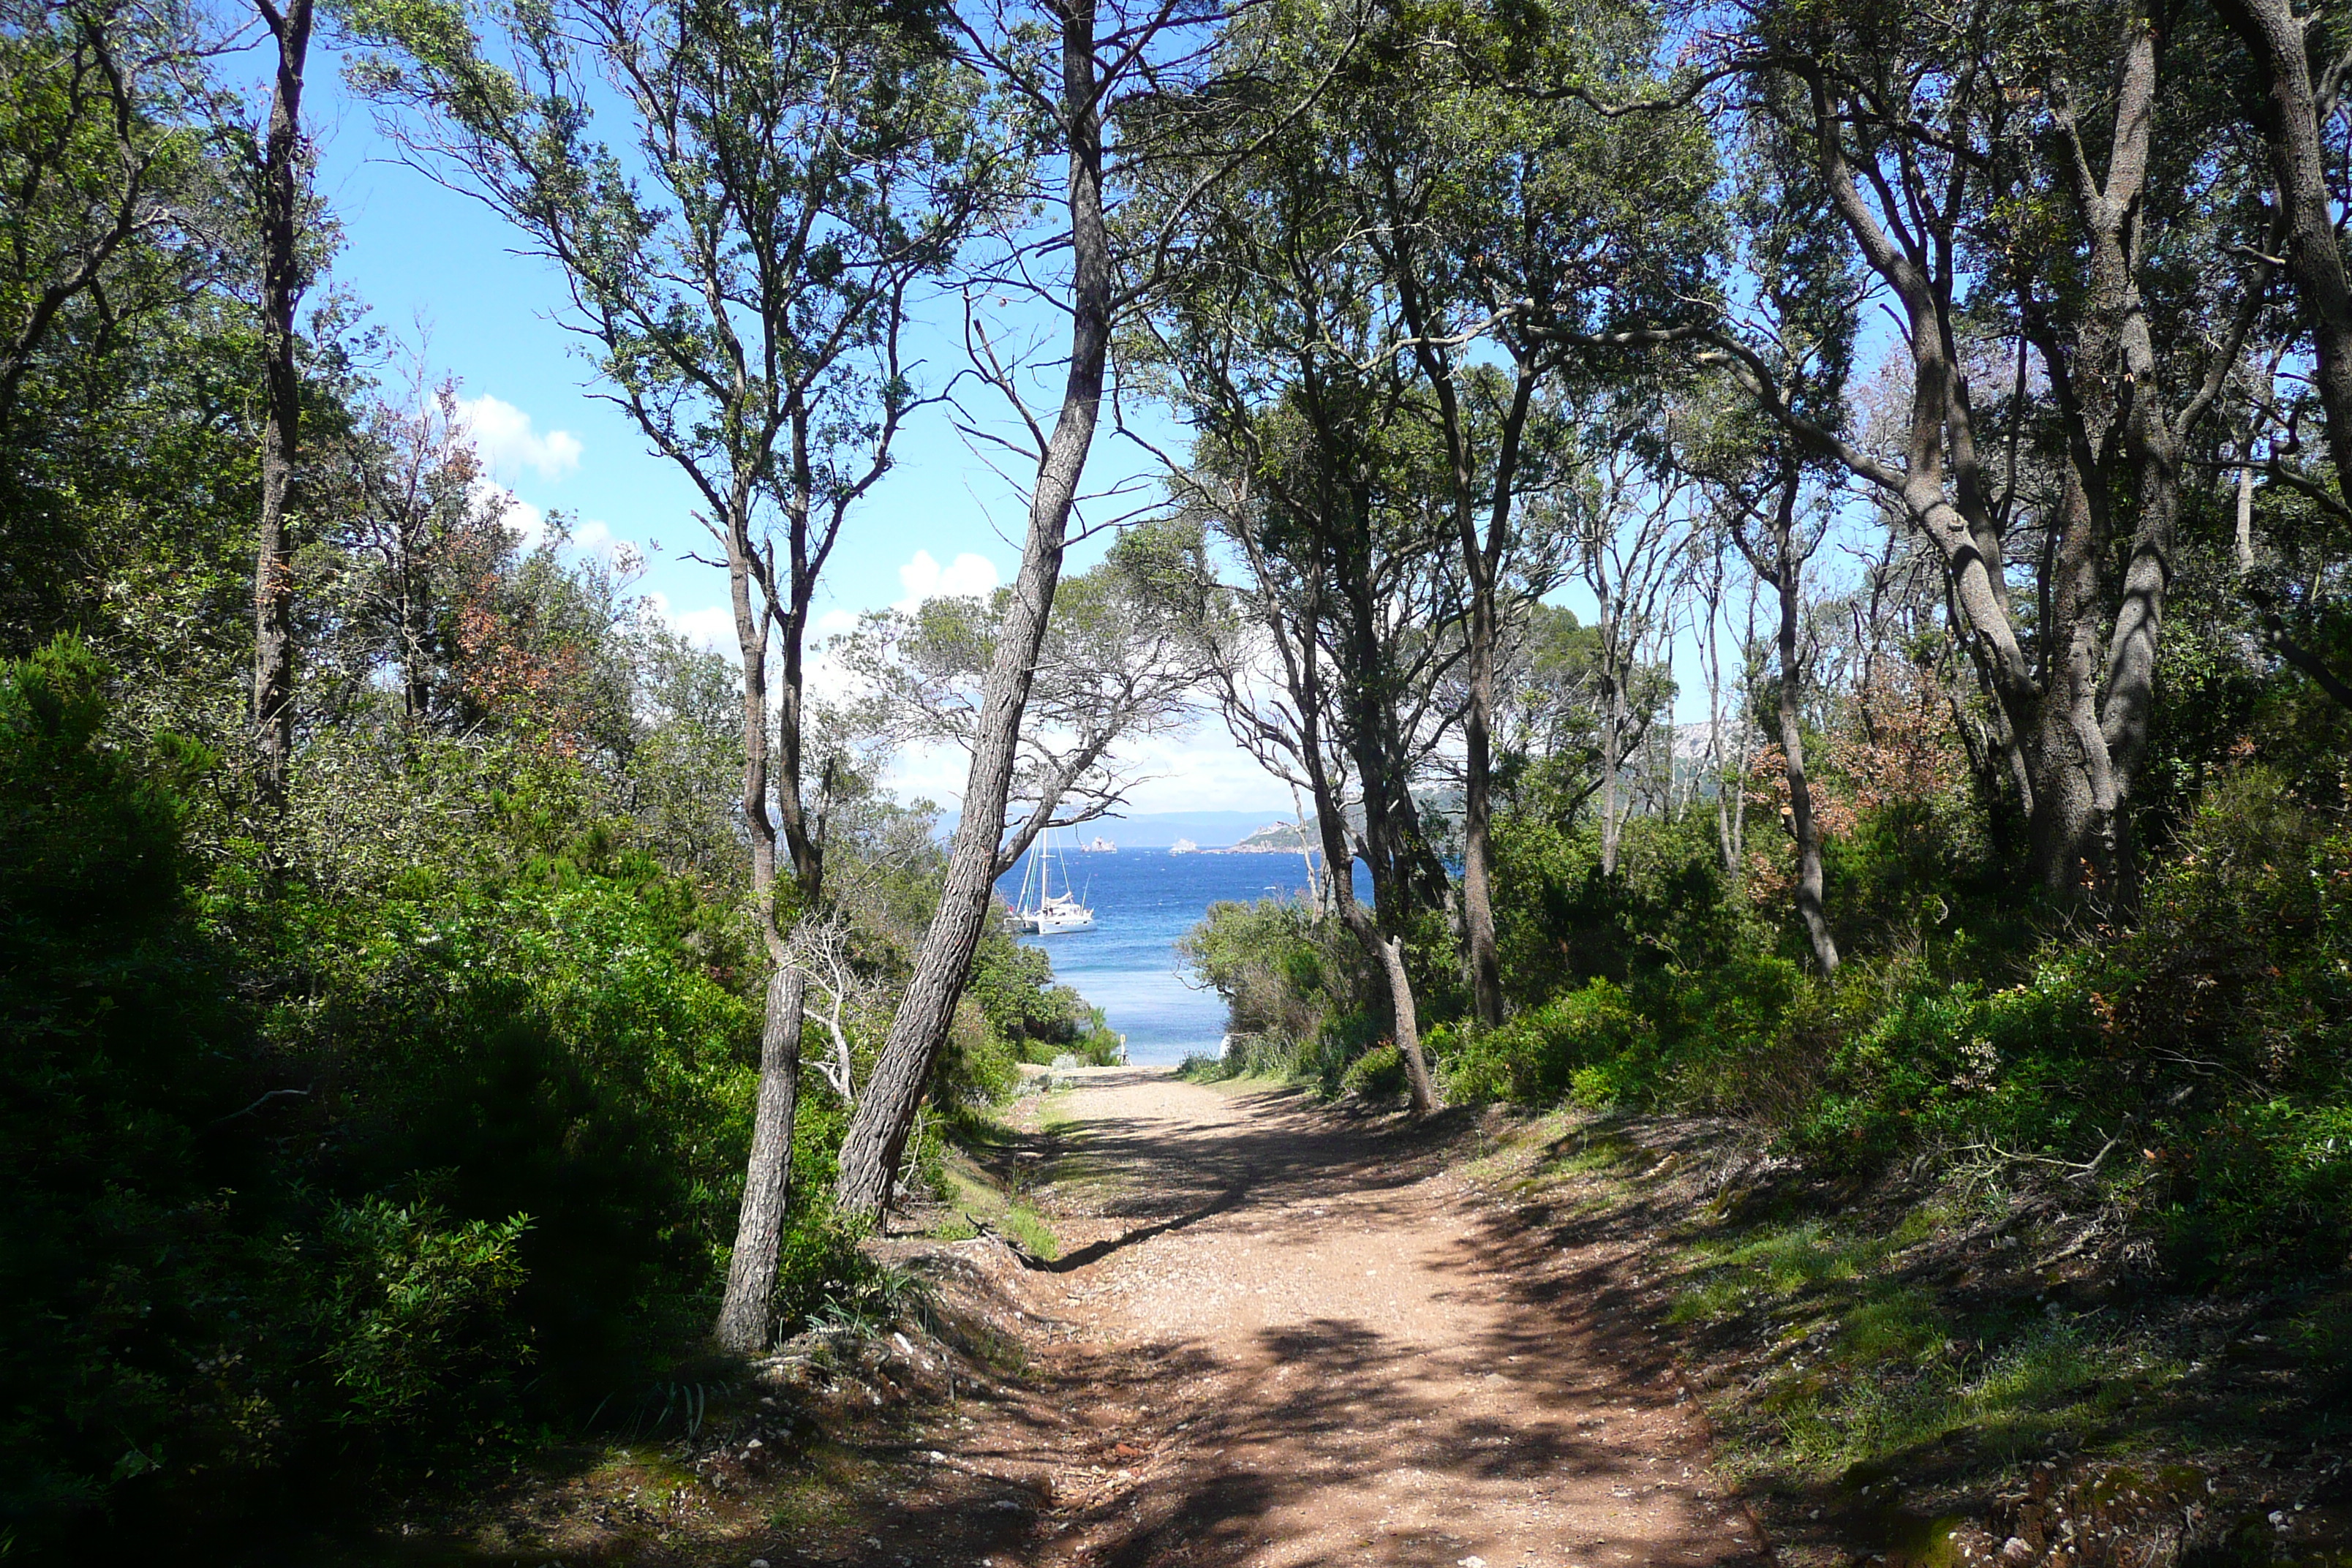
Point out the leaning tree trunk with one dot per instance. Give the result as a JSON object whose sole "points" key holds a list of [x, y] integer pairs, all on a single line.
{"points": [[1803, 824], [2277, 39], [1388, 951], [742, 1325], [877, 1138], [282, 290]]}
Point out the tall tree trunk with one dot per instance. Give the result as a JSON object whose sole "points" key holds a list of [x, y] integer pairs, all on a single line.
{"points": [[877, 1132], [1486, 963], [1787, 581], [281, 291], [2278, 40], [2074, 798], [742, 1325], [1612, 738], [743, 1312]]}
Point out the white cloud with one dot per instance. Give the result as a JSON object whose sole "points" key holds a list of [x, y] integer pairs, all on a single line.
{"points": [[833, 623], [967, 576], [508, 444], [1199, 770], [513, 511], [710, 628], [595, 537]]}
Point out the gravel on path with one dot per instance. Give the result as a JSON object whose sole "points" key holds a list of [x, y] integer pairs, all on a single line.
{"points": [[1284, 1336]]}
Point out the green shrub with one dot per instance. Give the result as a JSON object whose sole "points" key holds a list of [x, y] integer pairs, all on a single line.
{"points": [[299, 1184], [1283, 975], [1561, 921], [543, 1048], [823, 1276], [413, 1317], [1378, 1074], [1534, 1058]]}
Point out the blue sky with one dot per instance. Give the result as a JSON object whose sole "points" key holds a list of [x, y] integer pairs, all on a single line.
{"points": [[431, 263], [439, 268]]}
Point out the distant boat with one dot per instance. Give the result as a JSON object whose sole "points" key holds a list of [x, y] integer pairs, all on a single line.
{"points": [[1184, 847], [1052, 911], [1098, 844]]}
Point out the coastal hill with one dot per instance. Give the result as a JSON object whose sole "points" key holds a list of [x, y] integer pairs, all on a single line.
{"points": [[1157, 830], [1273, 838]]}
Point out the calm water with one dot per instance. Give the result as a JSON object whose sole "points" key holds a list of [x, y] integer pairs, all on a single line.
{"points": [[1128, 964]]}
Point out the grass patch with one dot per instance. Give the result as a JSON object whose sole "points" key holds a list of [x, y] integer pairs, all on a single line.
{"points": [[988, 1175], [1028, 1227], [1866, 1361]]}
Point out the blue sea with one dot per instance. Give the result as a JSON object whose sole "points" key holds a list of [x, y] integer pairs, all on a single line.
{"points": [[1144, 899]]}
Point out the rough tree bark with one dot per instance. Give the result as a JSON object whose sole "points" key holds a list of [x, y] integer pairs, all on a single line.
{"points": [[2280, 42], [281, 292], [877, 1132], [1783, 564], [742, 1324]]}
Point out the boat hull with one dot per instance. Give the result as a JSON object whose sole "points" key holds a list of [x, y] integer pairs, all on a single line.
{"points": [[1049, 925]]}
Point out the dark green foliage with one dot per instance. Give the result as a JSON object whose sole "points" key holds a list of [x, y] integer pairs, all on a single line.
{"points": [[1561, 921], [538, 1049], [1580, 1041], [120, 1053], [1300, 994], [1028, 1014], [823, 1275], [295, 1186]]}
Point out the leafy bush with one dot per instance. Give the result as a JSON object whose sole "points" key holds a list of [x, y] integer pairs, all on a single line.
{"points": [[1012, 986], [824, 1277], [540, 1049], [1561, 921], [413, 1312], [139, 1223], [299, 1184], [1536, 1058], [1283, 976], [1378, 1074]]}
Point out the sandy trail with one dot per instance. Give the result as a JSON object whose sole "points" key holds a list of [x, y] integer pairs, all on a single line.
{"points": [[1285, 1339]]}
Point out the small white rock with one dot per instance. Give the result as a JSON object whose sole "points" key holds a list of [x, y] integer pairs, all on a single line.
{"points": [[1471, 1563]]}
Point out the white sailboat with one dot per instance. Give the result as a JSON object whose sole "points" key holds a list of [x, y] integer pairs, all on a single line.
{"points": [[1051, 911]]}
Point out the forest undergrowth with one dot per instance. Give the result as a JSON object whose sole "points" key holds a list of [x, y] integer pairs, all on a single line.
{"points": [[1950, 1366]]}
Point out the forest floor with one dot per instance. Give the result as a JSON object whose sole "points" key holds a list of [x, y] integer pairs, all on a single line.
{"points": [[1229, 1325]]}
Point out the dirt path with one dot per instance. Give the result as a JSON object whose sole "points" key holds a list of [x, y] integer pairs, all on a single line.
{"points": [[1282, 1339]]}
